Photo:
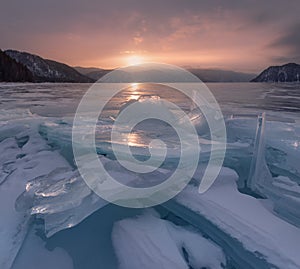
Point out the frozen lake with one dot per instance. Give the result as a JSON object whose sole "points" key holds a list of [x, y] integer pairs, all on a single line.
{"points": [[246, 97], [249, 218]]}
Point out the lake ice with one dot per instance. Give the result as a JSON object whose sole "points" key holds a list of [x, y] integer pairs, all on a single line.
{"points": [[249, 218]]}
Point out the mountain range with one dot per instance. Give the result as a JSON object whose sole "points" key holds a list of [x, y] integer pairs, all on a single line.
{"points": [[12, 71], [206, 75], [94, 73], [37, 69], [44, 70], [16, 66], [285, 73]]}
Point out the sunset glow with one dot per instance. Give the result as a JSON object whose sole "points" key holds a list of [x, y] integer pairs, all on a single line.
{"points": [[109, 34], [134, 60]]}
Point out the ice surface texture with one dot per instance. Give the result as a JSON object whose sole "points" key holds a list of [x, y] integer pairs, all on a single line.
{"points": [[37, 166], [157, 243], [25, 155]]}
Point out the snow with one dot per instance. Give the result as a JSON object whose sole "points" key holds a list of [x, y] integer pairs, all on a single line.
{"points": [[19, 164], [285, 183], [151, 242], [246, 219], [60, 197], [56, 193]]}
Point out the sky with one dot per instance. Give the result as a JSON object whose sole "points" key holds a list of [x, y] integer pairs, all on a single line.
{"points": [[241, 35]]}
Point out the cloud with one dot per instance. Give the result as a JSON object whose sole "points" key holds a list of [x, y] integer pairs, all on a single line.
{"points": [[77, 31], [285, 59], [289, 43], [290, 39], [138, 40]]}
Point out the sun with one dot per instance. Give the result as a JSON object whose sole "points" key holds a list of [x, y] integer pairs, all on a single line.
{"points": [[134, 60]]}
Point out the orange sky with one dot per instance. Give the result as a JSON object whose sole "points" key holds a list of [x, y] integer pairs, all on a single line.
{"points": [[239, 35]]}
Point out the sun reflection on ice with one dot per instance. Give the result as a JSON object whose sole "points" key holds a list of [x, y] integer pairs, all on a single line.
{"points": [[135, 94]]}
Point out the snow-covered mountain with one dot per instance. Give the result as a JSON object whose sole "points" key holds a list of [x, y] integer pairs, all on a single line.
{"points": [[285, 73], [10, 70], [45, 70]]}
